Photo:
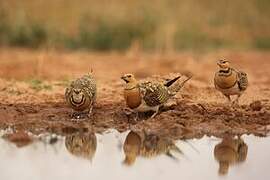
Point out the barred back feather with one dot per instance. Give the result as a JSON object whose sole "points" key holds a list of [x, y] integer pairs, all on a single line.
{"points": [[154, 93], [242, 80], [177, 86]]}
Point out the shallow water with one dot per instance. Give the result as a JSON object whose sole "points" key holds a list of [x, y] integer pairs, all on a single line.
{"points": [[96, 156]]}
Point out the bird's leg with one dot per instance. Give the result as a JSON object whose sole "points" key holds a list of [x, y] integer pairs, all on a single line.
{"points": [[128, 111], [90, 112], [74, 114], [156, 112], [136, 116], [236, 101], [228, 97], [170, 104]]}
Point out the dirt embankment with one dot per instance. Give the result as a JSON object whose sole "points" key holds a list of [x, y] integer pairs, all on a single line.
{"points": [[32, 88]]}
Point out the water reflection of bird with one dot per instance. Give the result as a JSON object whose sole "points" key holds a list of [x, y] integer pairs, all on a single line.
{"points": [[82, 144], [81, 95], [147, 145], [230, 81], [230, 151], [132, 146]]}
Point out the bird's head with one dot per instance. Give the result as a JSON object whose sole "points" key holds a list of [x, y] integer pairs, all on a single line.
{"points": [[223, 63], [77, 95], [129, 78]]}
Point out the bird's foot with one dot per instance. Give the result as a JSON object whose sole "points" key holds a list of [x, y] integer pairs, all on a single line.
{"points": [[127, 111], [75, 116], [154, 115]]}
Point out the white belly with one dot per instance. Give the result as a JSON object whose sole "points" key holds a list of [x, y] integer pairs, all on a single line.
{"points": [[230, 91], [144, 108]]}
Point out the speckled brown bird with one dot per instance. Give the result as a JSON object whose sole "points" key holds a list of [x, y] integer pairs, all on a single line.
{"points": [[147, 145], [230, 151], [82, 145], [81, 95], [149, 96], [230, 81], [132, 146], [154, 145]]}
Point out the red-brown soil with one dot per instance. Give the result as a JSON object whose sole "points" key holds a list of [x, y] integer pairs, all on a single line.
{"points": [[199, 110]]}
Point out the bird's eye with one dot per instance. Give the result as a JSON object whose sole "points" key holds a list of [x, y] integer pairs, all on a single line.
{"points": [[77, 91], [129, 76]]}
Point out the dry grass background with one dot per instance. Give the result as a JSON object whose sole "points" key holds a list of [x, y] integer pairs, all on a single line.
{"points": [[163, 25]]}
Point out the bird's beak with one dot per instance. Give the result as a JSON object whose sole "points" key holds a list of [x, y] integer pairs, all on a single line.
{"points": [[124, 78], [219, 64]]}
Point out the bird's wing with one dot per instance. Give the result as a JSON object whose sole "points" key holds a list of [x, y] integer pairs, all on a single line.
{"points": [[242, 80], [89, 85], [154, 94], [69, 89], [67, 93]]}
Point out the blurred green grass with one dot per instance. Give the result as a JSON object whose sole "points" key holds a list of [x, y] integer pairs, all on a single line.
{"points": [[115, 25], [38, 85]]}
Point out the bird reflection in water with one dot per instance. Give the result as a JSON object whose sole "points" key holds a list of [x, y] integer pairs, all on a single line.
{"points": [[82, 144], [147, 145], [229, 152]]}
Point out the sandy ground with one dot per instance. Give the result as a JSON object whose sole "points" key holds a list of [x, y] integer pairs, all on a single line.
{"points": [[199, 109]]}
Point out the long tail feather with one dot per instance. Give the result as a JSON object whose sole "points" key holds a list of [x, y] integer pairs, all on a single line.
{"points": [[177, 149], [174, 89], [170, 82], [192, 146]]}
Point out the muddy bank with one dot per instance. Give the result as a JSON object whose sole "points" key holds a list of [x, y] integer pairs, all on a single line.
{"points": [[32, 88]]}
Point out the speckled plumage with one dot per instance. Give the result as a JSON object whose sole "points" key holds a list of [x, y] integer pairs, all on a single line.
{"points": [[82, 145], [149, 96], [230, 81], [81, 94], [242, 80], [154, 94], [230, 151], [154, 145], [147, 145]]}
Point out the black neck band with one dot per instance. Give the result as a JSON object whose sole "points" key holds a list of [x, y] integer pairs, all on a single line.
{"points": [[225, 71]]}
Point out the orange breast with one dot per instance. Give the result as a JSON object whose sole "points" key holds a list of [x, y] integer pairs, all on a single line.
{"points": [[133, 98], [226, 81]]}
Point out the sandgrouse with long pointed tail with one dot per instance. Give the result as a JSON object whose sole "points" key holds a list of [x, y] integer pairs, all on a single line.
{"points": [[149, 96], [81, 95], [230, 81]]}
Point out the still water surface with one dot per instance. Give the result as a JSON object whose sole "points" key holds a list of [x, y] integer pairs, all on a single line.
{"points": [[125, 156]]}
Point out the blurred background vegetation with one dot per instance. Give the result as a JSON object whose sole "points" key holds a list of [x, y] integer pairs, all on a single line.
{"points": [[164, 25]]}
